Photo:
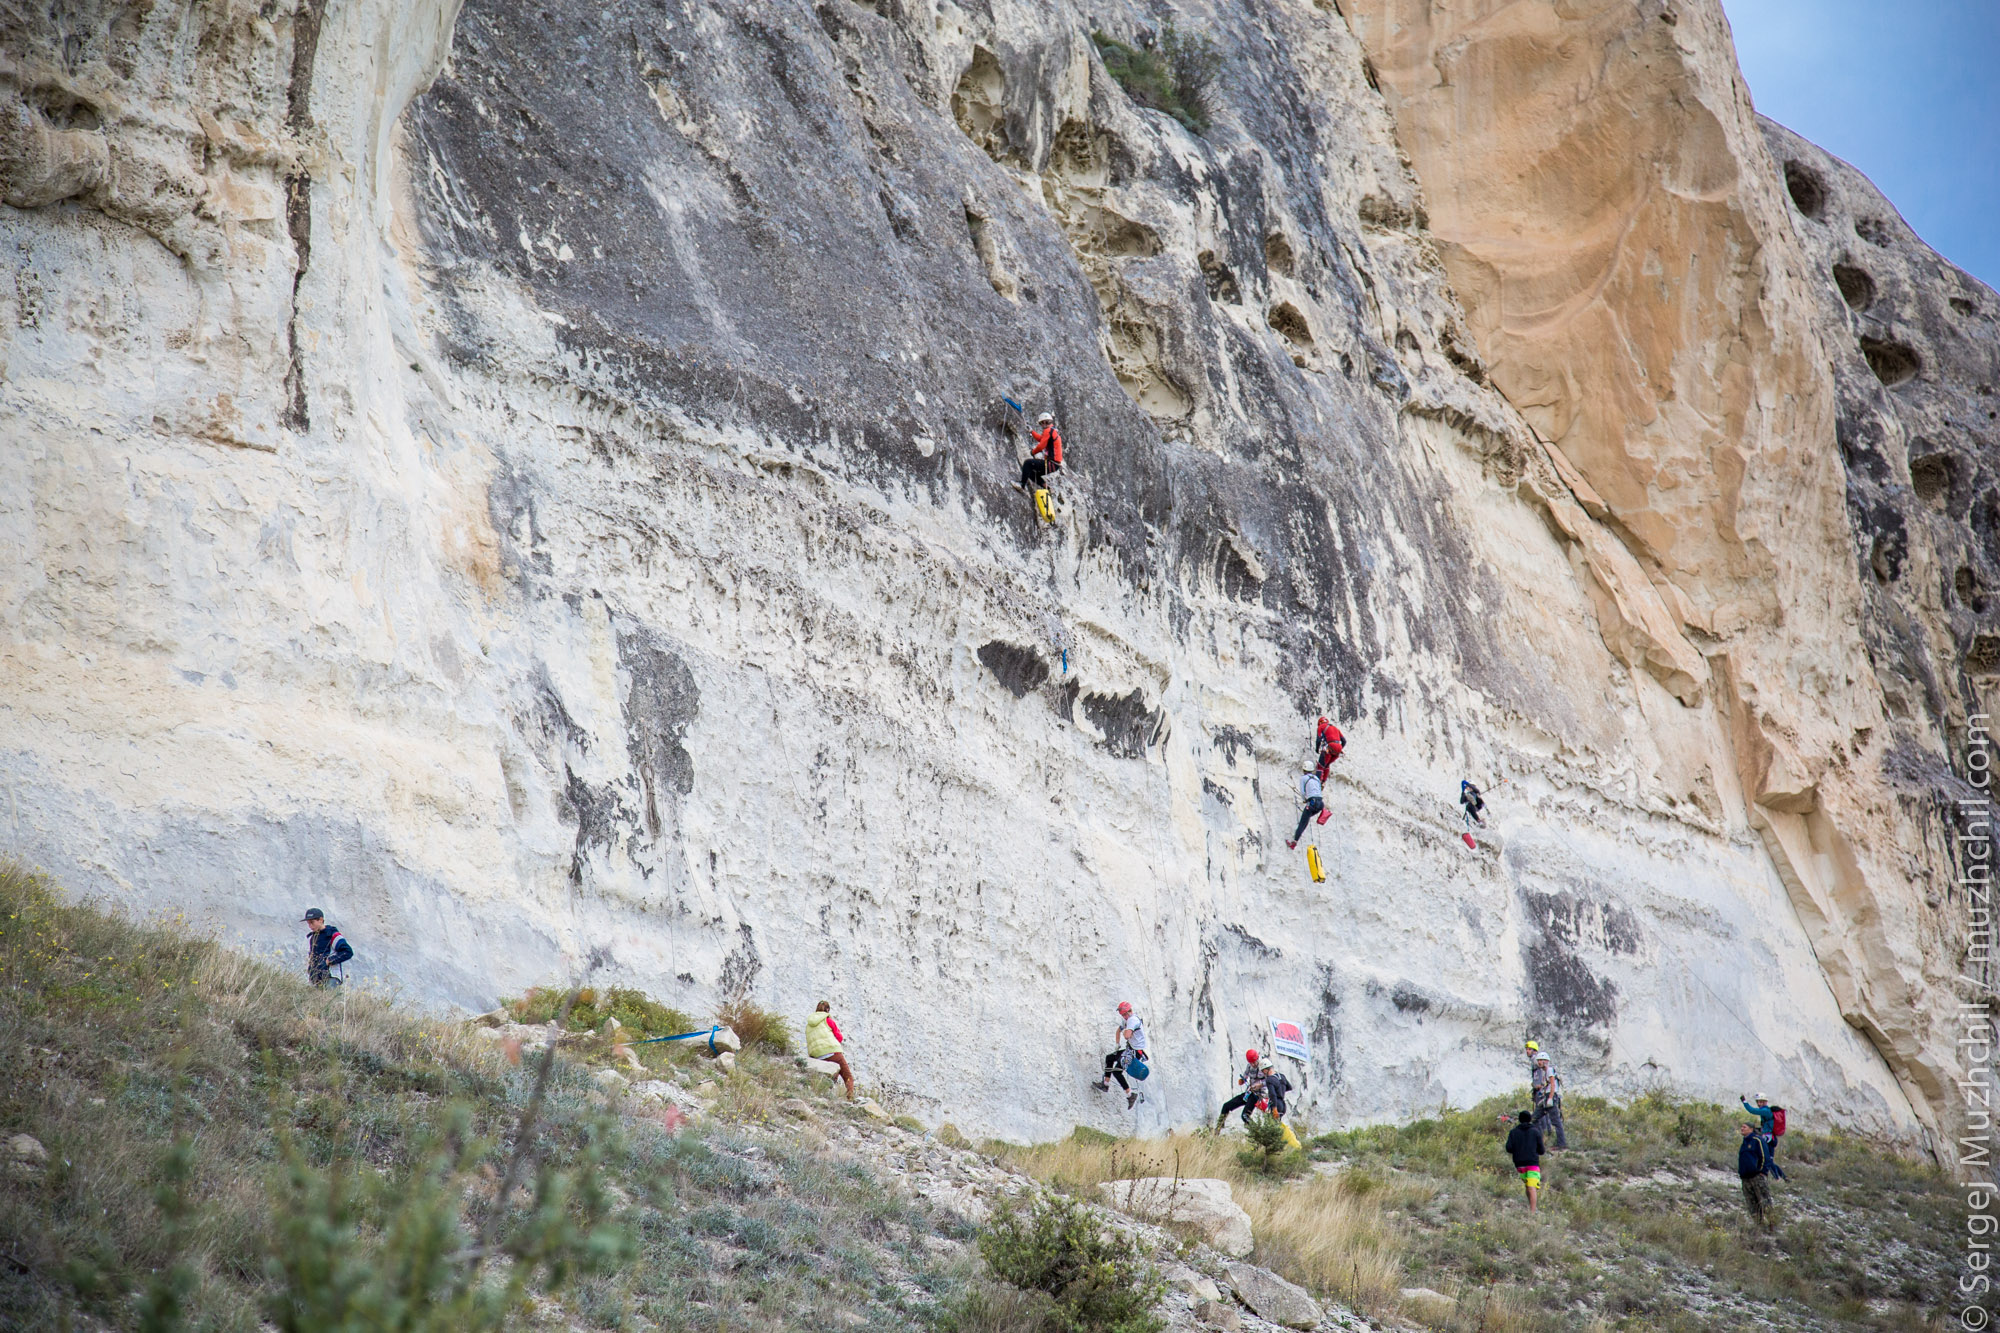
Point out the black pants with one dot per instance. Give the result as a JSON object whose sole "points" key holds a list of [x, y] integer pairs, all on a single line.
{"points": [[1551, 1117], [1035, 472], [1474, 813], [1313, 807], [1114, 1067], [1246, 1100]]}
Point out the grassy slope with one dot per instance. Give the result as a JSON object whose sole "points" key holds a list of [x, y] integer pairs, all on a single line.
{"points": [[1642, 1224], [118, 1038]]}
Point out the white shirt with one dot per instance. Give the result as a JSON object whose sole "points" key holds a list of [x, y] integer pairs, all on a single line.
{"points": [[1135, 1028], [1309, 786]]}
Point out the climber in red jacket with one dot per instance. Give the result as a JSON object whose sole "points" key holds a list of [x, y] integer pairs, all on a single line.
{"points": [[1330, 743], [1046, 455]]}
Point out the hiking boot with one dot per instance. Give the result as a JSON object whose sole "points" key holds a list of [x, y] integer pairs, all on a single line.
{"points": [[1291, 845], [1131, 1100], [1102, 1085]]}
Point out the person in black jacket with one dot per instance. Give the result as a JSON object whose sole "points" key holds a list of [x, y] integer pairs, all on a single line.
{"points": [[325, 949], [1524, 1145], [1753, 1164]]}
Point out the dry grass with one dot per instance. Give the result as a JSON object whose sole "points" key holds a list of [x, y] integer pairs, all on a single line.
{"points": [[130, 1046], [1081, 1162], [1327, 1232], [758, 1028]]}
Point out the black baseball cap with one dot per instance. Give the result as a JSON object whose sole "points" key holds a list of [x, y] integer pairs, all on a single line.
{"points": [[313, 914]]}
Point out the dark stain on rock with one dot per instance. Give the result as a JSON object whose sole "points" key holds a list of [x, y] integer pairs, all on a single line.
{"points": [[1563, 991], [1252, 944], [1231, 740], [660, 702], [1129, 727], [740, 968], [1409, 1000], [1018, 669]]}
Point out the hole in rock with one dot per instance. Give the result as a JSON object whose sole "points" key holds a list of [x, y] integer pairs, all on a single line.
{"points": [[1931, 477], [1221, 282], [1885, 557], [1983, 657], [1808, 191], [1893, 362], [1278, 253], [1965, 584], [1856, 287], [1872, 230], [1963, 306], [1287, 320], [978, 104]]}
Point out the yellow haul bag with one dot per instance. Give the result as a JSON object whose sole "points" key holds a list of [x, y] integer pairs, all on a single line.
{"points": [[1043, 507], [1312, 864]]}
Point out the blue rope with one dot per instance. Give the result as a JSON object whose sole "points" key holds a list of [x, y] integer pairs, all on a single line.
{"points": [[683, 1036]]}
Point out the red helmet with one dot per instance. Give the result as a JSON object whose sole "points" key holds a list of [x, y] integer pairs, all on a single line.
{"points": [[1251, 1055], [1124, 1006]]}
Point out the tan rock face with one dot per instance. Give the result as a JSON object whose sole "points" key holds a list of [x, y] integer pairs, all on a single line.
{"points": [[1609, 213]]}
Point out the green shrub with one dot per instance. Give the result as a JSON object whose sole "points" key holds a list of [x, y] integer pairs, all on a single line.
{"points": [[1267, 1154], [354, 1249], [634, 1010], [1176, 75], [758, 1028], [1057, 1246]]}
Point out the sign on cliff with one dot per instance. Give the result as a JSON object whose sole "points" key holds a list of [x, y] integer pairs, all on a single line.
{"points": [[1288, 1038]]}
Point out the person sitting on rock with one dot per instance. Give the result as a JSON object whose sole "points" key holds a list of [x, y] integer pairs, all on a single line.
{"points": [[326, 949], [1131, 1046], [1251, 1083], [1475, 805], [1310, 789], [824, 1042], [1045, 457]]}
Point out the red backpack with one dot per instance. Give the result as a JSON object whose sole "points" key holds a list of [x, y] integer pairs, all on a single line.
{"points": [[1777, 1122]]}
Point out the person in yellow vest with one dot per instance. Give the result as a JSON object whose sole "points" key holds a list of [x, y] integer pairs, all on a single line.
{"points": [[823, 1042]]}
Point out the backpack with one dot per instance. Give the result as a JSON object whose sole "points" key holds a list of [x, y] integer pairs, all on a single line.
{"points": [[1777, 1122]]}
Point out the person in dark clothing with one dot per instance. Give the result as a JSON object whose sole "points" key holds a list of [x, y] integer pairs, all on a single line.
{"points": [[1310, 789], [1475, 805], [1753, 1165], [325, 949], [1767, 1126], [1524, 1145], [1251, 1081]]}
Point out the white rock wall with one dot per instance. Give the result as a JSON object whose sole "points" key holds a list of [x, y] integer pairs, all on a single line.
{"points": [[503, 656]]}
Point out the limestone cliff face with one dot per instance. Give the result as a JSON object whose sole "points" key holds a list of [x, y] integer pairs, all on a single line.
{"points": [[607, 545], [1608, 210]]}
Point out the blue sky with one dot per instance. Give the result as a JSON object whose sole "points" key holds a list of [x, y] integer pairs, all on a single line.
{"points": [[1906, 90]]}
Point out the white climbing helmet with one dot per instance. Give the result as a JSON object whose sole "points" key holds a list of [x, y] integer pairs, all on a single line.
{"points": [[1044, 419]]}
